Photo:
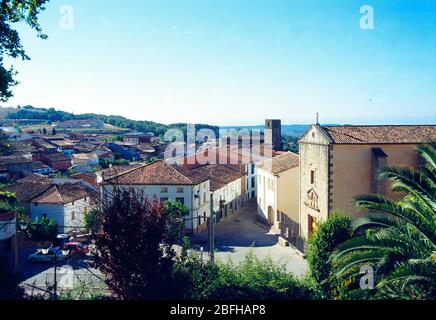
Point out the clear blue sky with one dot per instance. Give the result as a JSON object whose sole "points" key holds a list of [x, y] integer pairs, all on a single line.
{"points": [[232, 62]]}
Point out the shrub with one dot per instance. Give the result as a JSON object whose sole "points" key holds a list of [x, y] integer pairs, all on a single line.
{"points": [[329, 234], [253, 279]]}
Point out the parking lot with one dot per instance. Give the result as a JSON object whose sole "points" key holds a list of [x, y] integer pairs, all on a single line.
{"points": [[241, 232]]}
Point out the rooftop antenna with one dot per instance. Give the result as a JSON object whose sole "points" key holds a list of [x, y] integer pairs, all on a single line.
{"points": [[317, 118]]}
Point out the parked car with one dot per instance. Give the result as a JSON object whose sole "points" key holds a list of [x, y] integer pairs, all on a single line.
{"points": [[61, 240], [49, 256], [76, 248]]}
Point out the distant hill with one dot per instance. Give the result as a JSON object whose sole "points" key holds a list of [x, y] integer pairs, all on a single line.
{"points": [[5, 112], [53, 115]]}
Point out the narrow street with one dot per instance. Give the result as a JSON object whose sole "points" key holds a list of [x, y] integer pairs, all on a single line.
{"points": [[239, 233]]}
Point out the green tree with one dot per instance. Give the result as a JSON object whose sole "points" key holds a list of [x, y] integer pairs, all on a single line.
{"points": [[398, 238], [329, 234], [44, 229], [12, 12], [132, 247], [175, 213], [93, 221]]}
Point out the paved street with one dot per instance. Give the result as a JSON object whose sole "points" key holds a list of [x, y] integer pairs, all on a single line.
{"points": [[236, 235], [38, 278]]}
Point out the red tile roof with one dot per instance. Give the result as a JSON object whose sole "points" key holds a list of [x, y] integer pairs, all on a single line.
{"points": [[62, 194], [218, 174], [381, 134], [157, 173], [280, 163]]}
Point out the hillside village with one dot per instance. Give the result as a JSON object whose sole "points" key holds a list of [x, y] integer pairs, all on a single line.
{"points": [[63, 175]]}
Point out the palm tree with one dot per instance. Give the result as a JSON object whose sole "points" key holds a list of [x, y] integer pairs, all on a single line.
{"points": [[398, 238]]}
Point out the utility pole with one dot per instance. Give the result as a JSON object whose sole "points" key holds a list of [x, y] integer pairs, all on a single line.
{"points": [[55, 284], [17, 251], [211, 232]]}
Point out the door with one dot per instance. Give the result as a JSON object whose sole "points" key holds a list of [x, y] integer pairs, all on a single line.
{"points": [[270, 215]]}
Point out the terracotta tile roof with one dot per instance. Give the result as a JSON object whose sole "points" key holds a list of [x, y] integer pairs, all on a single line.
{"points": [[157, 173], [61, 194], [34, 178], [55, 157], [381, 134], [11, 160], [280, 163], [218, 174], [27, 191]]}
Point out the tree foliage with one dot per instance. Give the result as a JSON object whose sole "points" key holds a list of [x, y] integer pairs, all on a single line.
{"points": [[133, 247], [329, 234], [252, 279], [12, 12], [52, 115], [40, 229], [93, 220]]}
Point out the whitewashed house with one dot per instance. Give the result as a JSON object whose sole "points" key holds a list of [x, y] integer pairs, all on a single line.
{"points": [[67, 204], [83, 162], [165, 182], [67, 201], [225, 182], [278, 192]]}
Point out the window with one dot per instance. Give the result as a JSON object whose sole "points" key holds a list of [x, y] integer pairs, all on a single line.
{"points": [[163, 199], [73, 215], [179, 190], [131, 190], [253, 168], [164, 190], [253, 182], [204, 197], [181, 200], [312, 176]]}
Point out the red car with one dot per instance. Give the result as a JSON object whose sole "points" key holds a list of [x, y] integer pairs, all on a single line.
{"points": [[76, 248]]}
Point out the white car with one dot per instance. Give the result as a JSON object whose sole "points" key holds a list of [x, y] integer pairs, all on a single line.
{"points": [[48, 256]]}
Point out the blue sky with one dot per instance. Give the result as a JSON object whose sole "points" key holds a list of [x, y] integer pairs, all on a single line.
{"points": [[230, 62]]}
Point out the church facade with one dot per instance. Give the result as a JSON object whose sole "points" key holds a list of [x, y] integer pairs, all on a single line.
{"points": [[339, 163]]}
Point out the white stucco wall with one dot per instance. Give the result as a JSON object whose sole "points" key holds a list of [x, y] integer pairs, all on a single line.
{"points": [[266, 195], [196, 206], [63, 214], [228, 193]]}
